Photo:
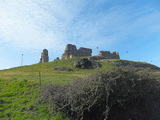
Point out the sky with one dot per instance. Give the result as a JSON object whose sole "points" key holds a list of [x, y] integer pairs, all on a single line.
{"points": [[130, 27]]}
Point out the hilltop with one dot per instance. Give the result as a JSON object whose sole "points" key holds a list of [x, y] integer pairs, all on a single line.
{"points": [[32, 71], [19, 96]]}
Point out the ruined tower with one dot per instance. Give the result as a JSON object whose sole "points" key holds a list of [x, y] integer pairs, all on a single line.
{"points": [[69, 52], [44, 56]]}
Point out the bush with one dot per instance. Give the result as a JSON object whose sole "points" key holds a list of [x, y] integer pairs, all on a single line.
{"points": [[117, 94], [60, 116]]}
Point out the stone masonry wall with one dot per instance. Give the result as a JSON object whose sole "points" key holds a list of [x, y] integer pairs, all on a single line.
{"points": [[109, 55], [71, 51], [84, 52], [44, 56]]}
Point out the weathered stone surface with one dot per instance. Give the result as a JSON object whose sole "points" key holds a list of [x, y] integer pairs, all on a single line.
{"points": [[56, 59], [63, 69], [84, 52], [83, 63], [44, 56], [109, 55], [115, 55], [96, 65], [86, 63], [71, 51]]}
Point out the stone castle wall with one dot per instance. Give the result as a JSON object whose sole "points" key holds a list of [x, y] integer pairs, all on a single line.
{"points": [[71, 51], [109, 55], [84, 52]]}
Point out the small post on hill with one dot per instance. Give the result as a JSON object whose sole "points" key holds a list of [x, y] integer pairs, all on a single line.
{"points": [[22, 60], [40, 78]]}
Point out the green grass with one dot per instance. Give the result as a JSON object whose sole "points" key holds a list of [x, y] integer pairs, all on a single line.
{"points": [[19, 100], [19, 87], [47, 73]]}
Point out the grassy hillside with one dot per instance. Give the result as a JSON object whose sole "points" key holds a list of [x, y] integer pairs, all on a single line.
{"points": [[19, 87]]}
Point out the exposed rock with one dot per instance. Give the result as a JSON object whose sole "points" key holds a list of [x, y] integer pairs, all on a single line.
{"points": [[83, 63], [71, 51], [96, 65], [44, 56], [56, 59], [63, 69]]}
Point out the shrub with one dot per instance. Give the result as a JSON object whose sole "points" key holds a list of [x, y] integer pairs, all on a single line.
{"points": [[60, 116], [117, 94]]}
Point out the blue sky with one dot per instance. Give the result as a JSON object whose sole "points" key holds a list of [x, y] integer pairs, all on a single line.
{"points": [[131, 27]]}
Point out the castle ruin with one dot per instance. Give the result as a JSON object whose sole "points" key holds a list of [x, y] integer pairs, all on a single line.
{"points": [[71, 51], [109, 55], [44, 56]]}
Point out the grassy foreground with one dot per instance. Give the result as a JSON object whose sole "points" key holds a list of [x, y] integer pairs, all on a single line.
{"points": [[19, 87]]}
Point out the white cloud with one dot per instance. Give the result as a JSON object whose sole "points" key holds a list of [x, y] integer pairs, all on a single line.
{"points": [[29, 25], [38, 24]]}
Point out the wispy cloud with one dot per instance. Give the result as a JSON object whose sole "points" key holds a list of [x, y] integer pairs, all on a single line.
{"points": [[28, 24], [34, 24], [115, 24]]}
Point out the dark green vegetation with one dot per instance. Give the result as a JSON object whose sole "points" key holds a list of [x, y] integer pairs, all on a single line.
{"points": [[20, 98]]}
